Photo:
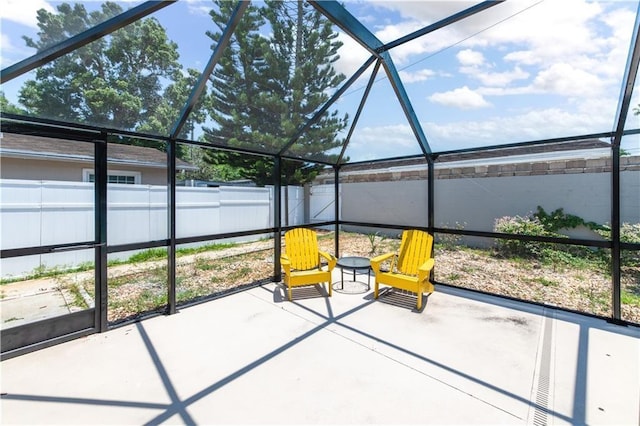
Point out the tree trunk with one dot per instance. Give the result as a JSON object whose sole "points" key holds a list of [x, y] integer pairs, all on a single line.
{"points": [[299, 34]]}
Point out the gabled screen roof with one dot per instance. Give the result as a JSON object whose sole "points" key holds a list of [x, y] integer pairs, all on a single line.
{"points": [[394, 79]]}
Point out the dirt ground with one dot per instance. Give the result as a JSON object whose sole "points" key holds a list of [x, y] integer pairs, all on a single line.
{"points": [[141, 287]]}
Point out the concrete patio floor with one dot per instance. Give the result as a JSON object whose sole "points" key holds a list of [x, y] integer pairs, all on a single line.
{"points": [[255, 358]]}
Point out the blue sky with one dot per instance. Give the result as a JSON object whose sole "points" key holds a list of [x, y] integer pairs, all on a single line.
{"points": [[523, 70]]}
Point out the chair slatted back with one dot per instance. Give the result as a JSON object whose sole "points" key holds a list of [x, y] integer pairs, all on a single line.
{"points": [[415, 249], [301, 245]]}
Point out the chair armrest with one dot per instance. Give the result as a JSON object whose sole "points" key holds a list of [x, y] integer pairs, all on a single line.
{"points": [[285, 263], [425, 269], [330, 258], [377, 261]]}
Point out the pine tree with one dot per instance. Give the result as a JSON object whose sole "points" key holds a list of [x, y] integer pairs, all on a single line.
{"points": [[266, 89]]}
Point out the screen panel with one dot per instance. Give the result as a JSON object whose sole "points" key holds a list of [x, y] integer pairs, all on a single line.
{"points": [[570, 277], [476, 191]]}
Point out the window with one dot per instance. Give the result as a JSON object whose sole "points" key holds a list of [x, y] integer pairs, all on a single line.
{"points": [[114, 176]]}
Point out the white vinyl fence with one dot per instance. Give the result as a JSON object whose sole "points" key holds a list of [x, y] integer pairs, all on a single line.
{"points": [[36, 213]]}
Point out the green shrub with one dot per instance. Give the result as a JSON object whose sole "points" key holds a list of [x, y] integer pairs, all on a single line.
{"points": [[520, 225], [630, 233], [543, 224]]}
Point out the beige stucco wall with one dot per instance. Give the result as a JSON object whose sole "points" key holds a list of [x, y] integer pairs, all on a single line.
{"points": [[69, 171]]}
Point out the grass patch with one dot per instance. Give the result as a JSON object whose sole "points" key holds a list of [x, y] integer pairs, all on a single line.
{"points": [[201, 249], [43, 272], [78, 300], [148, 255], [546, 282], [204, 264], [630, 299], [453, 277]]}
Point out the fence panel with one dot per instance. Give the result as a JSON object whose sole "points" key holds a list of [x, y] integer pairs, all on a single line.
{"points": [[36, 213], [244, 209], [129, 209], [67, 213], [322, 203], [20, 212], [197, 211]]}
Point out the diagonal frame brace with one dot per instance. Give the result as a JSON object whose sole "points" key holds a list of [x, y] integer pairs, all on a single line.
{"points": [[82, 39], [199, 87], [326, 106], [337, 14], [405, 103], [363, 101]]}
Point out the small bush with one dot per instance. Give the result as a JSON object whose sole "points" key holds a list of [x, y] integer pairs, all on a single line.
{"points": [[543, 224], [519, 225]]}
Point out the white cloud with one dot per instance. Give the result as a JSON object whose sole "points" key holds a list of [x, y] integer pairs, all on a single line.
{"points": [[463, 98], [414, 77], [11, 51], [530, 125], [501, 79], [506, 91], [474, 64], [375, 142], [528, 32], [427, 12], [198, 7], [5, 44], [352, 56], [399, 135], [565, 79], [470, 58], [23, 12]]}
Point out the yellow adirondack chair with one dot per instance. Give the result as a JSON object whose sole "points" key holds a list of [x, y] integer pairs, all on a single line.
{"points": [[301, 260], [410, 268]]}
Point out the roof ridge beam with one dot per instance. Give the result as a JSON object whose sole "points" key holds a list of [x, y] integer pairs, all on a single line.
{"points": [[405, 103], [337, 14], [442, 23]]}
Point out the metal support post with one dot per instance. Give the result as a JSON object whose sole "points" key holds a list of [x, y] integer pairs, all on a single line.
{"points": [[277, 220], [615, 232], [336, 180], [100, 230], [171, 226]]}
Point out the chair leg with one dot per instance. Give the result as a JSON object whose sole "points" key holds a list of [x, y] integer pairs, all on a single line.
{"points": [[419, 303], [290, 296], [375, 289], [330, 289]]}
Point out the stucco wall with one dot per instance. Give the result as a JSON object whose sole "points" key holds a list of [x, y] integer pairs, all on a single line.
{"points": [[69, 171], [391, 202], [476, 202]]}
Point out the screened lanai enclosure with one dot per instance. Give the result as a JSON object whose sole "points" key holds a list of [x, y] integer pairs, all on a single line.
{"points": [[154, 153]]}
